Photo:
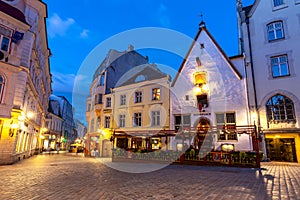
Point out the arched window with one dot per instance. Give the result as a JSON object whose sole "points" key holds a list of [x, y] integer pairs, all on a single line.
{"points": [[2, 84], [280, 108], [275, 30]]}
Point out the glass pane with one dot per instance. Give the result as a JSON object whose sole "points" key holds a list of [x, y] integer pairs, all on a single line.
{"points": [[284, 70], [186, 120], [220, 118], [177, 119], [279, 34], [271, 35], [230, 118], [275, 71], [274, 61], [5, 43]]}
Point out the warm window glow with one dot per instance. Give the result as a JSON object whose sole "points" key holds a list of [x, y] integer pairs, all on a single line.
{"points": [[199, 78]]}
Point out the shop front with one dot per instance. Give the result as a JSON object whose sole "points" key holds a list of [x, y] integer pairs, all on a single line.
{"points": [[283, 147]]}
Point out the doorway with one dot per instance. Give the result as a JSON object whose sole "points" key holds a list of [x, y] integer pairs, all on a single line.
{"points": [[281, 149], [203, 138]]}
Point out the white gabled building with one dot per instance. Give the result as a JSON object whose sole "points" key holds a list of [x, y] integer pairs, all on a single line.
{"points": [[209, 93]]}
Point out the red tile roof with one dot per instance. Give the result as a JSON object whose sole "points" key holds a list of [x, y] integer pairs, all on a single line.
{"points": [[12, 11]]}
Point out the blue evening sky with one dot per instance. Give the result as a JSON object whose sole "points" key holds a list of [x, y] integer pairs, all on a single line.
{"points": [[75, 28]]}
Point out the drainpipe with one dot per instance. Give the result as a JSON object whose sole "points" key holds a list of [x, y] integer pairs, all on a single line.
{"points": [[254, 89]]}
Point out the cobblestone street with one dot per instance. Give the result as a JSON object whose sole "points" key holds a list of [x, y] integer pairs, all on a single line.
{"points": [[75, 177]]}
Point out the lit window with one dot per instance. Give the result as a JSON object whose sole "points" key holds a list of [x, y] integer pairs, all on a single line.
{"points": [[275, 31], [156, 94], [280, 108], [155, 118], [123, 100], [199, 78], [280, 66], [277, 2], [2, 84], [137, 119], [138, 97], [121, 120]]}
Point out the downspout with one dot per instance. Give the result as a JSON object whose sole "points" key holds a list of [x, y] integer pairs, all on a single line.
{"points": [[258, 130]]}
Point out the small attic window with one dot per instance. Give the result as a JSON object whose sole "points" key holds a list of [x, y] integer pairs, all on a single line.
{"points": [[140, 78]]}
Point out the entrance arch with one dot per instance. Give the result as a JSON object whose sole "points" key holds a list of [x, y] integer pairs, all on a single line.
{"points": [[203, 138]]}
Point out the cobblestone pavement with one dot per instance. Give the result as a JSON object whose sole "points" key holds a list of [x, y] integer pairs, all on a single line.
{"points": [[73, 177]]}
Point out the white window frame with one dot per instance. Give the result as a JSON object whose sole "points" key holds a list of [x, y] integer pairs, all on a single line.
{"points": [[155, 94], [155, 118], [107, 122], [123, 99], [271, 27], [138, 97], [280, 64], [122, 120], [137, 119]]}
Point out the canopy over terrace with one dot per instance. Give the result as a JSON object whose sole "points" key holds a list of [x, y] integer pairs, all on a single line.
{"points": [[143, 139]]}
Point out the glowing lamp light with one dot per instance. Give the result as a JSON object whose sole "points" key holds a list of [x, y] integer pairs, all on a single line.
{"points": [[14, 126], [197, 90], [30, 115]]}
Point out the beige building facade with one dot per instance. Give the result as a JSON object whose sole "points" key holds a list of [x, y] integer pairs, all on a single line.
{"points": [[25, 81]]}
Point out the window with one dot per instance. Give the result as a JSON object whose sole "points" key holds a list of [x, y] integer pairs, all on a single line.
{"points": [[107, 122], [280, 66], [183, 121], [5, 37], [101, 81], [123, 100], [98, 123], [199, 78], [280, 108], [2, 84], [155, 115], [98, 99], [121, 121], [275, 30], [108, 102], [138, 97], [137, 119], [140, 78], [227, 122], [202, 102], [278, 2], [156, 94], [187, 97]]}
